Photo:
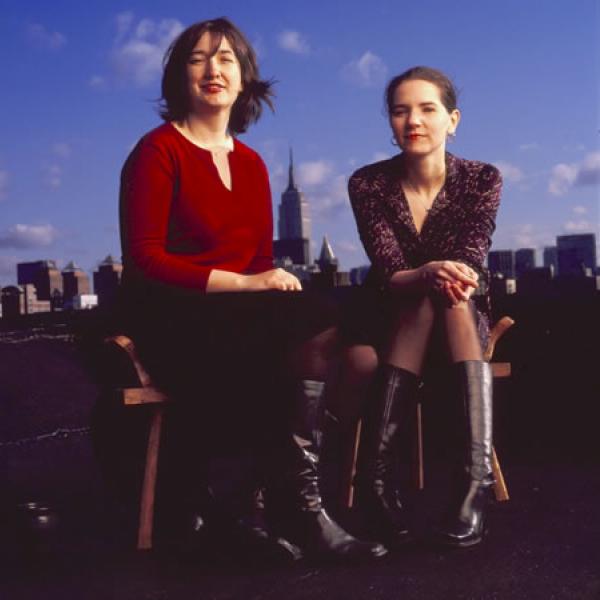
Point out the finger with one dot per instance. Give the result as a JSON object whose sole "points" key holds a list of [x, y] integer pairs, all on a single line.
{"points": [[450, 293], [459, 292]]}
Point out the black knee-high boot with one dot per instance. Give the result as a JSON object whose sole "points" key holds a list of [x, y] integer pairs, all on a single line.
{"points": [[300, 515], [466, 520], [377, 496]]}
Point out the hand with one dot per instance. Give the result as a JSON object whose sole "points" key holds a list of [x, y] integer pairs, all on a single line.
{"points": [[456, 292], [274, 279], [436, 274]]}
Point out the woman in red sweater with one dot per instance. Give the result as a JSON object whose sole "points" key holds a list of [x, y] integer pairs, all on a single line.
{"points": [[211, 315]]}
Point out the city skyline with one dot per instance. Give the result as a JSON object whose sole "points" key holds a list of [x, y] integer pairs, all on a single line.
{"points": [[81, 91]]}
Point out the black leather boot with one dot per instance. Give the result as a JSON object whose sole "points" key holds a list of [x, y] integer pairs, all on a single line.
{"points": [[376, 492], [300, 514], [251, 534], [465, 523]]}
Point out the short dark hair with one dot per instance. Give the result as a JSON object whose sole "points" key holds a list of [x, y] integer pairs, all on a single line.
{"points": [[247, 108], [440, 80]]}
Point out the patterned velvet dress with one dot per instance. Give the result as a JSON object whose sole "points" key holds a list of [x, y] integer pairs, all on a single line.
{"points": [[458, 226]]}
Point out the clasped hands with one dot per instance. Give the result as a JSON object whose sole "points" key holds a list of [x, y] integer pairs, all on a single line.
{"points": [[453, 280]]}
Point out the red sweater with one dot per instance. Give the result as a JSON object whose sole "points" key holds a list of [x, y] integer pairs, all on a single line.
{"points": [[178, 220]]}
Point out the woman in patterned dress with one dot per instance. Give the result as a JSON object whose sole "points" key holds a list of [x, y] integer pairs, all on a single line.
{"points": [[425, 218]]}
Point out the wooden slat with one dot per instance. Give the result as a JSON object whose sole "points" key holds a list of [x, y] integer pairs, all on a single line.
{"points": [[145, 395], [500, 489], [126, 343], [496, 333], [149, 483], [501, 370], [417, 463]]}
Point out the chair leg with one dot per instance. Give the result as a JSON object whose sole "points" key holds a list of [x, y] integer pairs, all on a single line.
{"points": [[418, 472], [500, 489], [149, 483], [349, 468]]}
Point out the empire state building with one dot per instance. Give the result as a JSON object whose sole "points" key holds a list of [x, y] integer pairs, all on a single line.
{"points": [[294, 223]]}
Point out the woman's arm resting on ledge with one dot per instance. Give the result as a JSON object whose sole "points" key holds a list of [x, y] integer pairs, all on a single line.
{"points": [[274, 279]]}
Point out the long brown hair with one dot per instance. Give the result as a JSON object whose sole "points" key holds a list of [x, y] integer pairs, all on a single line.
{"points": [[255, 92]]}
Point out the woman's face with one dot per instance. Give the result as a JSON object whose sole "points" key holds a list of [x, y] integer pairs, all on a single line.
{"points": [[214, 79], [419, 120]]}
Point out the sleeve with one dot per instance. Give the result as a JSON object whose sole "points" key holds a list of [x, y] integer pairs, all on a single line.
{"points": [[263, 261], [378, 238], [474, 236], [147, 187]]}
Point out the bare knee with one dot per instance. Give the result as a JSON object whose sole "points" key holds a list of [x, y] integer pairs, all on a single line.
{"points": [[360, 361], [419, 310]]}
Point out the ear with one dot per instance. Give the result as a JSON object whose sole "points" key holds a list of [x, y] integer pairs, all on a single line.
{"points": [[454, 121]]}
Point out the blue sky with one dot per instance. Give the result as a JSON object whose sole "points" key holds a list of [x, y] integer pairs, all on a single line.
{"points": [[79, 82]]}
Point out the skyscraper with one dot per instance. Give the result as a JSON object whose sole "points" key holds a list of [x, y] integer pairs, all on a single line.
{"points": [[107, 279], [75, 283], [576, 254], [293, 225], [551, 258], [502, 261], [42, 274], [524, 260]]}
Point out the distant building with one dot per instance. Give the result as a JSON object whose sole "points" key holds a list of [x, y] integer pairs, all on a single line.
{"points": [[551, 258], [502, 286], [22, 300], [84, 301], [524, 261], [13, 302], [297, 250], [293, 225], [576, 254], [503, 262], [107, 279], [43, 275], [75, 283], [328, 275], [358, 275]]}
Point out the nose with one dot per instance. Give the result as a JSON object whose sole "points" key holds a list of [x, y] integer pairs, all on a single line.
{"points": [[413, 118], [212, 68]]}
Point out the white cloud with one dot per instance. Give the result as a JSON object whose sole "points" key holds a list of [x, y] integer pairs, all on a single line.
{"points": [[580, 226], [580, 210], [346, 246], [529, 146], [139, 49], [259, 47], [293, 41], [41, 37], [565, 176], [510, 172], [589, 170], [8, 266], [562, 178], [61, 149], [52, 175], [366, 71], [330, 198], [3, 184], [28, 236], [97, 82], [314, 172], [123, 21], [378, 156]]}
